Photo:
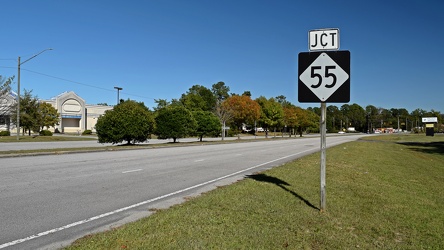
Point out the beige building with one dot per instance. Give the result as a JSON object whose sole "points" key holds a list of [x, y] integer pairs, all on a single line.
{"points": [[75, 115], [7, 102]]}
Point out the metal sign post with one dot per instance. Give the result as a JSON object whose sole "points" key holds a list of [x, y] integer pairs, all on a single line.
{"points": [[323, 128]]}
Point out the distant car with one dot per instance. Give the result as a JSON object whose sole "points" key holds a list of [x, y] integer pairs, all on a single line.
{"points": [[260, 129], [341, 132]]}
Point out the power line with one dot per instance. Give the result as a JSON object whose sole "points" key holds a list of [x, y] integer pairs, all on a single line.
{"points": [[66, 80], [79, 83]]}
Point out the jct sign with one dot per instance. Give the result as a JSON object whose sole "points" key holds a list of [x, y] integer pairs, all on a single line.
{"points": [[324, 76], [323, 39]]}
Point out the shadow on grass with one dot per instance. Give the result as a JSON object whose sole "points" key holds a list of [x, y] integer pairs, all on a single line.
{"points": [[426, 147], [280, 183]]}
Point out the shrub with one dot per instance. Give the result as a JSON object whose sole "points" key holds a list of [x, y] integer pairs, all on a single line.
{"points": [[232, 132], [5, 133], [129, 121], [174, 122], [87, 132], [208, 124], [45, 133]]}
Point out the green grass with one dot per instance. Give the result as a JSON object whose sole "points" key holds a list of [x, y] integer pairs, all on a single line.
{"points": [[383, 192]]}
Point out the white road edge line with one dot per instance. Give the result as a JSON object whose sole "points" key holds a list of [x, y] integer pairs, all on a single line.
{"points": [[15, 242], [130, 171]]}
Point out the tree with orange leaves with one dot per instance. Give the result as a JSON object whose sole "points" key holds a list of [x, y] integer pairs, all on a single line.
{"points": [[243, 109], [290, 118], [306, 119]]}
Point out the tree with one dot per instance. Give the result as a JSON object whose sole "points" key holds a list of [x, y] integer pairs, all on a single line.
{"points": [[129, 121], [306, 119], [207, 124], [283, 101], [174, 122], [161, 103], [272, 112], [220, 91], [316, 110], [34, 114], [384, 117], [354, 116], [416, 115], [399, 115], [371, 113], [175, 102], [291, 119], [224, 113], [47, 115], [198, 98], [243, 110], [29, 115], [357, 116], [5, 85], [333, 118]]}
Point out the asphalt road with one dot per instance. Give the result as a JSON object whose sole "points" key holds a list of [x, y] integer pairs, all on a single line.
{"points": [[48, 201]]}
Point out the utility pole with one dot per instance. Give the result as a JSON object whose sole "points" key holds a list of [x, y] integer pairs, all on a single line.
{"points": [[18, 89], [18, 100]]}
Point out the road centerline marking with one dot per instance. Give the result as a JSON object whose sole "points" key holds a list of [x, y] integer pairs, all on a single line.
{"points": [[131, 171]]}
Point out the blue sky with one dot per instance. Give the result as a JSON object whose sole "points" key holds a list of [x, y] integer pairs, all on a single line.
{"points": [[159, 49]]}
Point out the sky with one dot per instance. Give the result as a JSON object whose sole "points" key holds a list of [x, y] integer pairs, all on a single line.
{"points": [[158, 49]]}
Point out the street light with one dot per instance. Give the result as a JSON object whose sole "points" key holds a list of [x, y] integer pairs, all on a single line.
{"points": [[118, 89], [18, 88]]}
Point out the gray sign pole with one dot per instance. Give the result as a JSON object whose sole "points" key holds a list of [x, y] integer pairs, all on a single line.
{"points": [[323, 127]]}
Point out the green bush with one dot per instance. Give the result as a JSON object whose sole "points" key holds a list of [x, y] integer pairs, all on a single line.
{"points": [[45, 133], [232, 132], [174, 122], [128, 121], [87, 132], [207, 124], [5, 133]]}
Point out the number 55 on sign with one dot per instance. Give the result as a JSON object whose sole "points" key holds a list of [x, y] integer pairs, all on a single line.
{"points": [[324, 76]]}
